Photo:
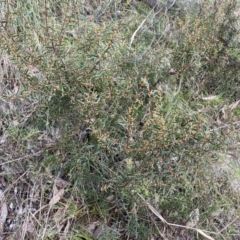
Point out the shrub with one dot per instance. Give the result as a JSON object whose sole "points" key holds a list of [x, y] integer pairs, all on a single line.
{"points": [[117, 113]]}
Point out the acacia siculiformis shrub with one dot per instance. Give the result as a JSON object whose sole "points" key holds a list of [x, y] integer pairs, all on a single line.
{"points": [[145, 129]]}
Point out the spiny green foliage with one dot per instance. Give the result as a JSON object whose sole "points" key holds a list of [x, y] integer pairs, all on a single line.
{"points": [[151, 133]]}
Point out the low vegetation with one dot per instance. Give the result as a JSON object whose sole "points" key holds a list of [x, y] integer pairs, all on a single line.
{"points": [[119, 119]]}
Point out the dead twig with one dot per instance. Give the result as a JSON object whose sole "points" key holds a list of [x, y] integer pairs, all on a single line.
{"points": [[154, 211], [229, 224]]}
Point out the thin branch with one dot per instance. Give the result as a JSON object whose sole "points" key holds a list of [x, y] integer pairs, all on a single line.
{"points": [[228, 224], [154, 211]]}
